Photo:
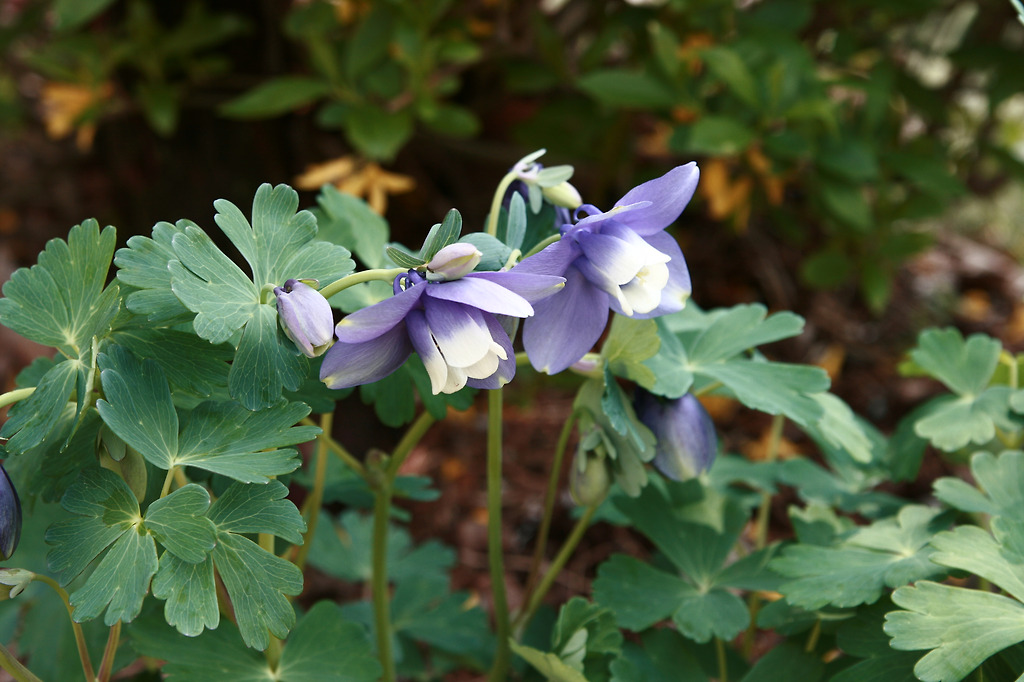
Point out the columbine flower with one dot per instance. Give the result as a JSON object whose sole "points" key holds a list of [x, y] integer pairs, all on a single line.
{"points": [[453, 325], [10, 516], [305, 317], [622, 260], [686, 439]]}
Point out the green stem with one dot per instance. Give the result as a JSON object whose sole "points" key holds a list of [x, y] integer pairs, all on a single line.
{"points": [[379, 580], [13, 666], [556, 567], [383, 274], [412, 436], [316, 496], [273, 652], [544, 243], [812, 639], [167, 482], [499, 194], [338, 449], [761, 529], [549, 504], [723, 666], [494, 550], [107, 662], [14, 396], [707, 389], [83, 650]]}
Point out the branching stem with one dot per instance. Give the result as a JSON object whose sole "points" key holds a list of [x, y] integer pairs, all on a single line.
{"points": [[83, 650], [107, 662]]}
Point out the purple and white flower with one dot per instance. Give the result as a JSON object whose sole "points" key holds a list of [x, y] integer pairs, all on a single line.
{"points": [[454, 325], [305, 316], [686, 439], [10, 516], [621, 260]]}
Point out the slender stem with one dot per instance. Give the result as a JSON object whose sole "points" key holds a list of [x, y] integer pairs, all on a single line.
{"points": [[316, 496], [409, 440], [83, 650], [812, 639], [707, 389], [179, 477], [556, 567], [338, 449], [107, 662], [13, 666], [167, 482], [14, 396], [379, 580], [723, 666], [494, 550], [761, 529], [383, 274], [499, 194], [543, 244], [549, 504]]}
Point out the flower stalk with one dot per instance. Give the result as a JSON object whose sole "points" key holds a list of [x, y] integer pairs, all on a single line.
{"points": [[496, 559], [316, 496]]}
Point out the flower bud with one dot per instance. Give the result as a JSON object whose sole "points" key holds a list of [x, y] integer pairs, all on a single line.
{"points": [[563, 194], [306, 317], [10, 516], [589, 480], [453, 262], [686, 439]]}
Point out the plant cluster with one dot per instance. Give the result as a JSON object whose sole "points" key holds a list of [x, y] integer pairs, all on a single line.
{"points": [[157, 459]]}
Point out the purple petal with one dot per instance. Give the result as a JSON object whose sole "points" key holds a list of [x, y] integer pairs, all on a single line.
{"points": [[553, 260], [611, 257], [668, 195], [677, 292], [423, 343], [567, 325], [352, 364], [507, 367], [483, 294], [462, 338], [602, 217], [530, 286], [374, 320]]}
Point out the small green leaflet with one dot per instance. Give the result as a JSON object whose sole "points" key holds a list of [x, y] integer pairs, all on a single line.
{"points": [[60, 302], [889, 553], [224, 438], [278, 245], [965, 367], [442, 235], [584, 632], [999, 478], [143, 266]]}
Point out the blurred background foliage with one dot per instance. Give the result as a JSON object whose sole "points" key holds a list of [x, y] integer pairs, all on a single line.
{"points": [[836, 128]]}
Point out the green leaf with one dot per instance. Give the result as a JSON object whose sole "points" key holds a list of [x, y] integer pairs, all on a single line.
{"points": [[277, 96], [495, 252], [30, 421], [378, 134], [726, 64], [323, 647], [846, 203], [349, 221], [69, 14], [629, 343], [840, 428], [665, 657], [204, 375], [638, 594], [61, 301], [629, 89], [191, 659], [403, 259], [423, 611], [786, 662], [256, 580], [143, 265], [952, 422], [190, 594], [549, 665], [970, 548], [964, 367], [447, 233], [889, 553], [713, 135], [962, 627], [107, 513], [279, 245], [515, 227], [998, 476], [178, 522], [849, 158]]}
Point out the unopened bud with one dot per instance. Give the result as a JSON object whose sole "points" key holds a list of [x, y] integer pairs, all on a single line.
{"points": [[306, 317], [10, 516], [453, 262], [14, 581], [589, 480], [563, 194], [686, 438]]}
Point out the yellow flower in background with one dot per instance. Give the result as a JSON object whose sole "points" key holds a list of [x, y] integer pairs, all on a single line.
{"points": [[66, 106], [357, 177]]}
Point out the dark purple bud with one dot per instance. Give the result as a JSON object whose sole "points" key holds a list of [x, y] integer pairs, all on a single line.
{"points": [[10, 516], [686, 439], [306, 317]]}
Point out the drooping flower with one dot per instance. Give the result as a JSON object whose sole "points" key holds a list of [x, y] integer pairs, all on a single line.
{"points": [[10, 516], [686, 439], [621, 260], [454, 325], [305, 317]]}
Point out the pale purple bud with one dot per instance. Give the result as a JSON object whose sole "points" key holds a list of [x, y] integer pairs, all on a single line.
{"points": [[10, 516], [306, 317], [686, 439], [454, 261]]}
